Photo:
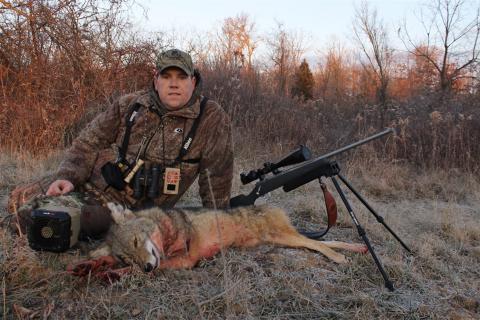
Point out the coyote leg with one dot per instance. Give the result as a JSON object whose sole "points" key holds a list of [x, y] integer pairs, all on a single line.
{"points": [[185, 262], [355, 247], [299, 241]]}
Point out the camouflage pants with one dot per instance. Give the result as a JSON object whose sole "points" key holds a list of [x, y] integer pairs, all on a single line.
{"points": [[94, 219]]}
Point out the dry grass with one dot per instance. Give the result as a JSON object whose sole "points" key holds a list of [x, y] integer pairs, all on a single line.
{"points": [[436, 213]]}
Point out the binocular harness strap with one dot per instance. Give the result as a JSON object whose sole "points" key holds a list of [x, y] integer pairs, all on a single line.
{"points": [[187, 142], [130, 119]]}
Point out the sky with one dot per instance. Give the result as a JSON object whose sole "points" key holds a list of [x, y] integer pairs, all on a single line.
{"points": [[320, 21]]}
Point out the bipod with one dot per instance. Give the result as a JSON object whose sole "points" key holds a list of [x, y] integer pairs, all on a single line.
{"points": [[333, 172]]}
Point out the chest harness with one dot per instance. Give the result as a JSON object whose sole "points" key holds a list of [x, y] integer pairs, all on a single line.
{"points": [[146, 180]]}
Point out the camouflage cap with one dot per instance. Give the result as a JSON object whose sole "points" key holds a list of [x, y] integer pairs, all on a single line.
{"points": [[175, 58]]}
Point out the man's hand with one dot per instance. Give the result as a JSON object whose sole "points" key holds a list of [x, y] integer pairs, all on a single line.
{"points": [[59, 187]]}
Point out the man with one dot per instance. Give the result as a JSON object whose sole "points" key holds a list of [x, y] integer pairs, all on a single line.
{"points": [[140, 139]]}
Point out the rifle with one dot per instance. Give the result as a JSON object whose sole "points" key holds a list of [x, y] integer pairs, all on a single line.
{"points": [[295, 177], [309, 170]]}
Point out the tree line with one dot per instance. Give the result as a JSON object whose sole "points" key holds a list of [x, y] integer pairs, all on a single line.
{"points": [[62, 61]]}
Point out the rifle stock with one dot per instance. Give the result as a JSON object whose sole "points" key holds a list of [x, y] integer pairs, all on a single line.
{"points": [[301, 174]]}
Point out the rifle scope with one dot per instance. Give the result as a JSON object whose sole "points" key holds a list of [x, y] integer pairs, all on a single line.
{"points": [[299, 155]]}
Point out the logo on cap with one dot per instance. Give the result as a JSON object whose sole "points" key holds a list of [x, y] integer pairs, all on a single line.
{"points": [[175, 58], [174, 53]]}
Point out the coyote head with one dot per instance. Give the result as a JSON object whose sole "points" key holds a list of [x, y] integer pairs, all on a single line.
{"points": [[132, 239]]}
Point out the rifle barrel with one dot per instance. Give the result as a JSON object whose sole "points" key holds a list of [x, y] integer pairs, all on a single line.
{"points": [[356, 144]]}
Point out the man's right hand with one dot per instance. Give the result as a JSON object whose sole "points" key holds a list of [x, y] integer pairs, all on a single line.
{"points": [[59, 187]]}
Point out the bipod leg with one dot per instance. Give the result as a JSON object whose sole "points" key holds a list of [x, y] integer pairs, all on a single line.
{"points": [[377, 216], [362, 233]]}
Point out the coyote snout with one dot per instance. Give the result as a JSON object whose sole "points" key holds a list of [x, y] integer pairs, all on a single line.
{"points": [[154, 259]]}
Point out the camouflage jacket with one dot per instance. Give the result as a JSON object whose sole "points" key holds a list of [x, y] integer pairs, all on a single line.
{"points": [[210, 155]]}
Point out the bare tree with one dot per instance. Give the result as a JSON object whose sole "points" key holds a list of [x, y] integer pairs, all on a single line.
{"points": [[58, 55], [371, 35], [450, 46], [334, 74], [285, 49], [236, 41], [82, 33]]}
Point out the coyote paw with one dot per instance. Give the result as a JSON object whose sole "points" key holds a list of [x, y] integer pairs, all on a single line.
{"points": [[100, 268], [112, 276], [94, 266], [82, 268], [358, 247], [341, 259]]}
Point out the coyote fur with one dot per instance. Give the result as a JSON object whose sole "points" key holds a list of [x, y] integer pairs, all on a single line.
{"points": [[153, 238]]}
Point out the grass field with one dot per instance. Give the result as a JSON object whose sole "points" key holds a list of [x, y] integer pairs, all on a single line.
{"points": [[436, 213]]}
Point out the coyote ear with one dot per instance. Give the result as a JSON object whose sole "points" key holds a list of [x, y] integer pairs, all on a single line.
{"points": [[104, 250], [119, 214]]}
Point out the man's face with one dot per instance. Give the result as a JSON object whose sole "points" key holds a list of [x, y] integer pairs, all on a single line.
{"points": [[174, 87]]}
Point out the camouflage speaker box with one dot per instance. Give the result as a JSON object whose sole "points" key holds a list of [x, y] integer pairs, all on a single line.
{"points": [[54, 228]]}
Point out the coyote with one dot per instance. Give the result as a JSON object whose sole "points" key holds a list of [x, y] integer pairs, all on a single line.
{"points": [[153, 238]]}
